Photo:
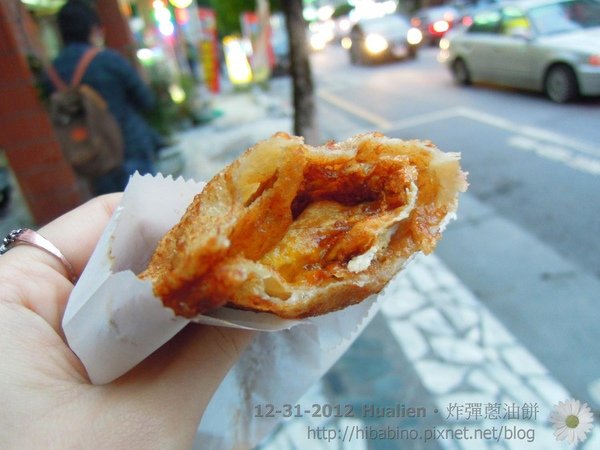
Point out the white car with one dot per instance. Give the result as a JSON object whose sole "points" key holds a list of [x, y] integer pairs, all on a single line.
{"points": [[551, 46]]}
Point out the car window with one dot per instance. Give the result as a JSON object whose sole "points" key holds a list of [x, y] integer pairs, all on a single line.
{"points": [[486, 22], [565, 16], [515, 21]]}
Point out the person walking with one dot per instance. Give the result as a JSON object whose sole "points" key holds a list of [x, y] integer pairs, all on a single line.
{"points": [[117, 82]]}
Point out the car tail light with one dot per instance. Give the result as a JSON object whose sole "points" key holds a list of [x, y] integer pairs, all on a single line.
{"points": [[467, 21], [415, 21], [594, 60]]}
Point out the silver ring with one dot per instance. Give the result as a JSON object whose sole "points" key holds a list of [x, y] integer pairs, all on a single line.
{"points": [[25, 236]]}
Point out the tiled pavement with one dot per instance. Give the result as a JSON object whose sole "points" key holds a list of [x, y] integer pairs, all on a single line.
{"points": [[457, 359]]}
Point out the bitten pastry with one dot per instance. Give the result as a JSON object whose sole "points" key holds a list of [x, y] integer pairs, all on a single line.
{"points": [[300, 231]]}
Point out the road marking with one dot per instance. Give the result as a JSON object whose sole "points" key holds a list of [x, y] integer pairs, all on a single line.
{"points": [[426, 118], [498, 122], [556, 147], [526, 130], [585, 164], [345, 105]]}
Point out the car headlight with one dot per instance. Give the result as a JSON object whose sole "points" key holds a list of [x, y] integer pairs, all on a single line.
{"points": [[441, 26], [318, 41], [375, 43], [414, 36], [444, 44]]}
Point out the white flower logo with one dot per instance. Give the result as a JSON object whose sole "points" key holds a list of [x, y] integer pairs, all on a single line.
{"points": [[572, 421]]}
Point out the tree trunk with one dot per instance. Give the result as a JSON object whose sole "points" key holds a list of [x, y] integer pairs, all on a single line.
{"points": [[303, 90]]}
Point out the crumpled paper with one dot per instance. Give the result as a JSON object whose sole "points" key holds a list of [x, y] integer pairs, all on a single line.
{"points": [[113, 321]]}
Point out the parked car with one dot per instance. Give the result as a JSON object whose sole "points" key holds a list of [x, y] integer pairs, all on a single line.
{"points": [[551, 46], [434, 22], [383, 38]]}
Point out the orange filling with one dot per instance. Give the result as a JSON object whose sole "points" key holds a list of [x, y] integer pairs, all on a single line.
{"points": [[329, 213]]}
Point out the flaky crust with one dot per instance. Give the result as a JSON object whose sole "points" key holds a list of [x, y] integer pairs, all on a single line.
{"points": [[300, 231]]}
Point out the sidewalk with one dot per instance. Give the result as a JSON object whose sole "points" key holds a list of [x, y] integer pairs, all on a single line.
{"points": [[247, 117], [454, 358]]}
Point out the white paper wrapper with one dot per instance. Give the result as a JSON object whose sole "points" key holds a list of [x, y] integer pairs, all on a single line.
{"points": [[277, 368], [113, 321]]}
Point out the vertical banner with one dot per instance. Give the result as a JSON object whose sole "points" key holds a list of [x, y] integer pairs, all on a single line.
{"points": [[208, 48]]}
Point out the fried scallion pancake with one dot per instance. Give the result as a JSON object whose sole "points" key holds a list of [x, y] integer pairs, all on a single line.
{"points": [[300, 231]]}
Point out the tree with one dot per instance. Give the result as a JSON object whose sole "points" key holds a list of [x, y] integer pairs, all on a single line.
{"points": [[302, 82]]}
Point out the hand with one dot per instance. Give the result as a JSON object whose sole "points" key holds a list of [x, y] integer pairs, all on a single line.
{"points": [[46, 397]]}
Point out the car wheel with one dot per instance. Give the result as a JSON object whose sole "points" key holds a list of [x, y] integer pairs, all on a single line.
{"points": [[460, 72], [561, 84]]}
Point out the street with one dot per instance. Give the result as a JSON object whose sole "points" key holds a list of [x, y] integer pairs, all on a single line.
{"points": [[525, 244], [517, 146]]}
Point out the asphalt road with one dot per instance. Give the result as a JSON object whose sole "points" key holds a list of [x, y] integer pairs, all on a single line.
{"points": [[518, 147], [527, 241]]}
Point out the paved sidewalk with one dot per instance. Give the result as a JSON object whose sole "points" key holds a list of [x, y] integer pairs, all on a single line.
{"points": [[471, 372], [247, 118]]}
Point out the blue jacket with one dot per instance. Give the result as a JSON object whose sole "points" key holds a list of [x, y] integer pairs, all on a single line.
{"points": [[113, 77]]}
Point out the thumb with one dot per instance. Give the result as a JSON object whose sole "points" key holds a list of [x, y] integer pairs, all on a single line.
{"points": [[180, 378]]}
